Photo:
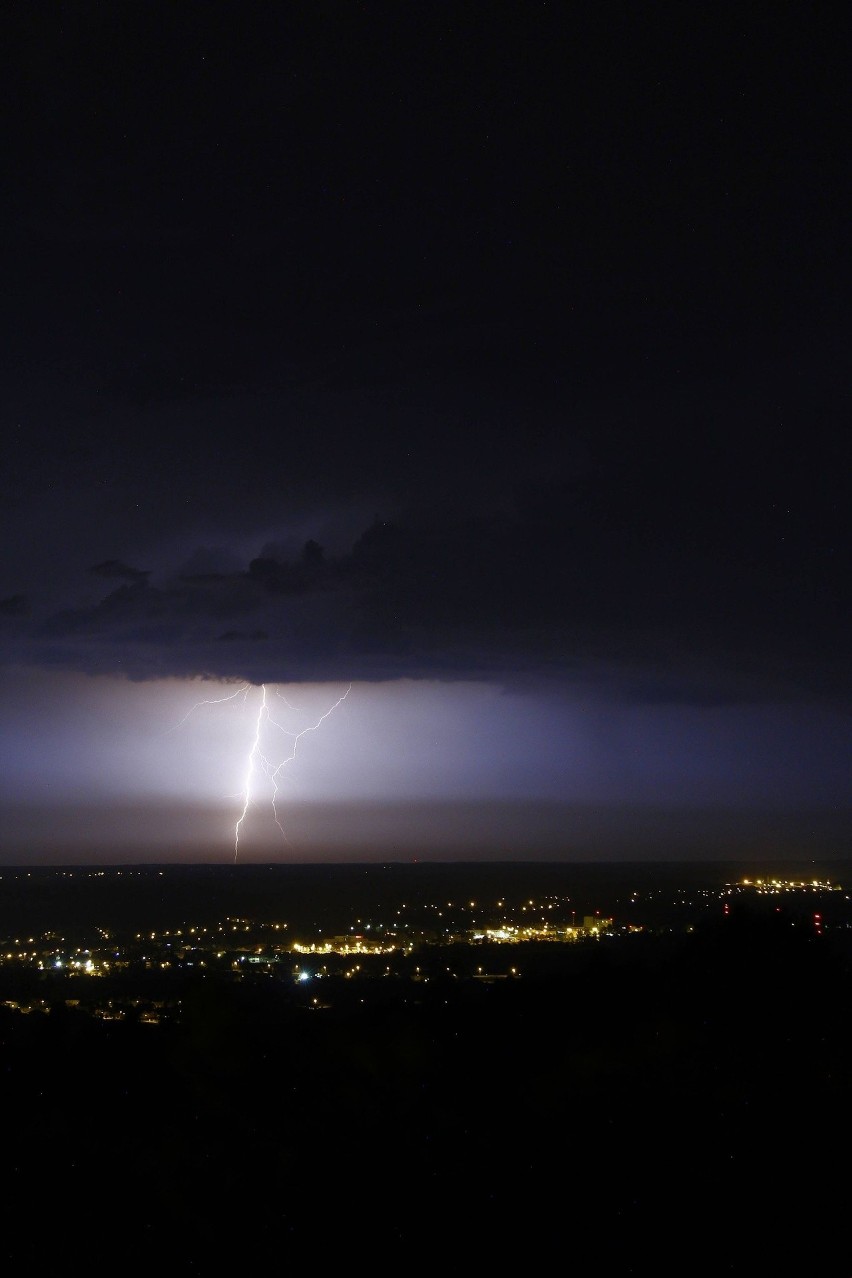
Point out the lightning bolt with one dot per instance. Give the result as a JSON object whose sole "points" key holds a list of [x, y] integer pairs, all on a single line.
{"points": [[270, 769], [259, 759], [216, 701]]}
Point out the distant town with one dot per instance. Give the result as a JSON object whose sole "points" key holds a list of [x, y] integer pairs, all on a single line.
{"points": [[112, 973]]}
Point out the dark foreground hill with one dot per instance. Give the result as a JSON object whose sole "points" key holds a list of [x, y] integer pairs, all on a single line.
{"points": [[673, 1105]]}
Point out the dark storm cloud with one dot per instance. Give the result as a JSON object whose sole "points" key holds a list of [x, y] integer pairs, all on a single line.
{"points": [[562, 298], [115, 568], [564, 588], [15, 606]]}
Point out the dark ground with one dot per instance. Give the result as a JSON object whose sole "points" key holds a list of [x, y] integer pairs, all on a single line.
{"points": [[672, 1104]]}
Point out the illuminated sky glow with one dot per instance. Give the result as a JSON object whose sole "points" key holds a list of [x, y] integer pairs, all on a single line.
{"points": [[155, 769]]}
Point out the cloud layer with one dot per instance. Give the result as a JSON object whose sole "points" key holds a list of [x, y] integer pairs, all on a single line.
{"points": [[558, 590]]}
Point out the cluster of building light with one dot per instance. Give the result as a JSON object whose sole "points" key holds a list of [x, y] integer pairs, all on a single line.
{"points": [[347, 945], [772, 887], [147, 1012]]}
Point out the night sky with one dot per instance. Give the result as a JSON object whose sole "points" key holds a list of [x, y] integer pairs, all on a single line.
{"points": [[485, 363]]}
